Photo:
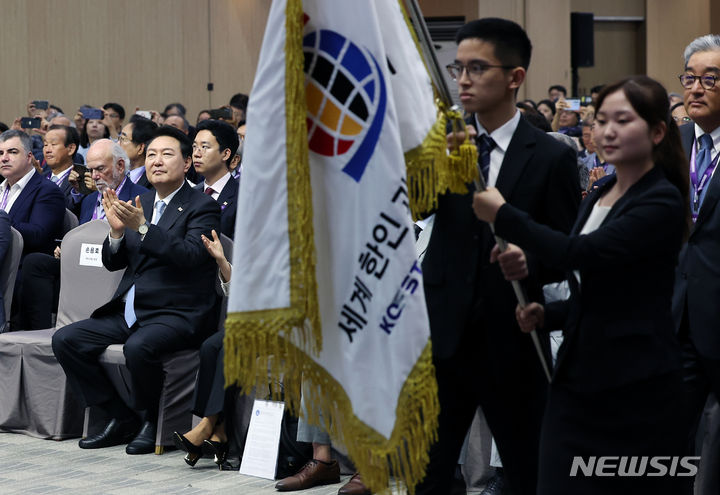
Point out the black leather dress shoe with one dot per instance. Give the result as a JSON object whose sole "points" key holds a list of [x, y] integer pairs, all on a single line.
{"points": [[116, 432], [144, 442]]}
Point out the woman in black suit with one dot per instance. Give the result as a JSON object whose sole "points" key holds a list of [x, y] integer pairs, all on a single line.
{"points": [[617, 386], [209, 435]]}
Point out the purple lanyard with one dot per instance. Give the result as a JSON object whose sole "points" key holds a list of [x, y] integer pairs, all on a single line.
{"points": [[4, 201], [699, 187], [98, 206], [598, 163], [60, 177]]}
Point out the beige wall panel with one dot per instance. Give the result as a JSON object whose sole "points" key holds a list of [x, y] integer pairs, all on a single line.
{"points": [[548, 25], [506, 9], [715, 17], [635, 8], [445, 8], [15, 59], [238, 29], [618, 54], [135, 52], [671, 25]]}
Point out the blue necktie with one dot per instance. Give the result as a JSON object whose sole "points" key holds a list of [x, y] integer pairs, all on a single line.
{"points": [[159, 209], [130, 317], [703, 157], [485, 146]]}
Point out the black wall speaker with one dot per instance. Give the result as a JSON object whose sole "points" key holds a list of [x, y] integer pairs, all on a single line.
{"points": [[582, 36]]}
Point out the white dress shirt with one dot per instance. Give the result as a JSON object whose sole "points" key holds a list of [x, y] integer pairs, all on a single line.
{"points": [[715, 135], [15, 189], [502, 137], [218, 186]]}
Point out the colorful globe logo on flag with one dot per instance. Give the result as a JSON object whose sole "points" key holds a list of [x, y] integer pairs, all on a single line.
{"points": [[346, 99]]}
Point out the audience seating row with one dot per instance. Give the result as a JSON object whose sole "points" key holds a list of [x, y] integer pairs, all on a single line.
{"points": [[37, 399]]}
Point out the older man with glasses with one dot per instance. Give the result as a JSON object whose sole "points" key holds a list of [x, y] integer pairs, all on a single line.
{"points": [[697, 281]]}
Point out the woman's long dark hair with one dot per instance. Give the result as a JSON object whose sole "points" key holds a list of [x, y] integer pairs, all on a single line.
{"points": [[85, 140], [650, 101]]}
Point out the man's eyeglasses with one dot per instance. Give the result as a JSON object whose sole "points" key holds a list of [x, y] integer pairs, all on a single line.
{"points": [[203, 149], [707, 81], [474, 69]]}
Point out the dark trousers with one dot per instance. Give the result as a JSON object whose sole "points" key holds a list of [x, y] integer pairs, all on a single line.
{"points": [[701, 377], [40, 290], [512, 396], [78, 346], [209, 397]]}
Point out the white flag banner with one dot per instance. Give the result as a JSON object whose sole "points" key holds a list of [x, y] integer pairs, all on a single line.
{"points": [[326, 286]]}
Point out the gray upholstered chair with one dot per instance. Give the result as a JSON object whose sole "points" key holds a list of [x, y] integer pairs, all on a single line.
{"points": [[70, 221], [36, 399], [8, 273], [179, 369]]}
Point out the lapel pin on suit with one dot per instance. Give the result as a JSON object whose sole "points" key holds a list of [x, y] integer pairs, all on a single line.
{"points": [[180, 208]]}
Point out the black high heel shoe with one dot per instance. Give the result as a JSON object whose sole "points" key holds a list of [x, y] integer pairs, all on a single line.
{"points": [[194, 453], [218, 449]]}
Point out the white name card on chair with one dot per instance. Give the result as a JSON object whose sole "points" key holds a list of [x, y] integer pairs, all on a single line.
{"points": [[263, 440], [91, 254]]}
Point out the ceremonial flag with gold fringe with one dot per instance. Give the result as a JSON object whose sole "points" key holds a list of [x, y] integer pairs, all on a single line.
{"points": [[326, 288]]}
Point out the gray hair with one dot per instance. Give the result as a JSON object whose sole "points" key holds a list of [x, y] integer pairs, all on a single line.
{"points": [[565, 139], [25, 140], [186, 123], [119, 153], [707, 43], [60, 114]]}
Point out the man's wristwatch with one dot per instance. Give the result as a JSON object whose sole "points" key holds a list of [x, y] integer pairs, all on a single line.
{"points": [[143, 229]]}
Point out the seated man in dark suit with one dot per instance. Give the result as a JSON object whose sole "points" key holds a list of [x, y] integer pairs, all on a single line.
{"points": [[41, 272], [36, 206], [166, 300], [59, 146], [133, 139], [213, 150]]}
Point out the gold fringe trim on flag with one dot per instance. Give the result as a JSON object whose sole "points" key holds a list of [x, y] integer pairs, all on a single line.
{"points": [[263, 357], [303, 311], [431, 171], [258, 349]]}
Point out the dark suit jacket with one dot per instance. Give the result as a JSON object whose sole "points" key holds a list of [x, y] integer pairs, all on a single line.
{"points": [[697, 281], [38, 214], [538, 175], [173, 274], [129, 191], [617, 323], [70, 202], [228, 206]]}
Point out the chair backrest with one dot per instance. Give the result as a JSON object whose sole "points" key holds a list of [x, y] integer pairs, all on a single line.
{"points": [[8, 271], [83, 288], [70, 221]]}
